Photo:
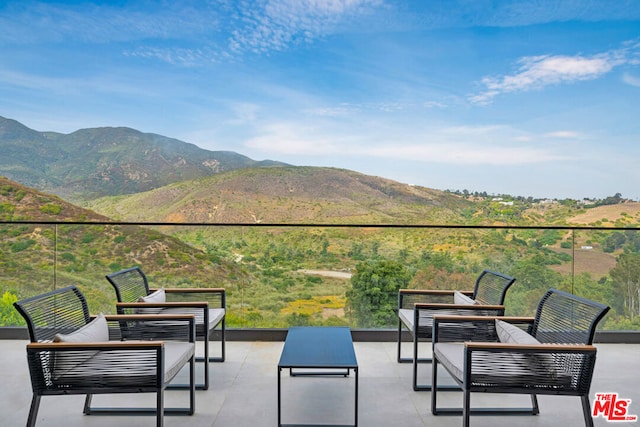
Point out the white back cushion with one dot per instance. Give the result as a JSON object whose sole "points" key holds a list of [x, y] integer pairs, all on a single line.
{"points": [[509, 333], [460, 298], [94, 331], [158, 296]]}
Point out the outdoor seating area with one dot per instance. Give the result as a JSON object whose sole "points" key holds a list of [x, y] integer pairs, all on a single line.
{"points": [[243, 393], [416, 308], [553, 355], [152, 351], [207, 305], [72, 354]]}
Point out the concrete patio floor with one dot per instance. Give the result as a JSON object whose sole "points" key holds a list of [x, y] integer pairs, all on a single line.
{"points": [[244, 394]]}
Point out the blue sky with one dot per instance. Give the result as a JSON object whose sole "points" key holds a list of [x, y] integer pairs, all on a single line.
{"points": [[533, 98]]}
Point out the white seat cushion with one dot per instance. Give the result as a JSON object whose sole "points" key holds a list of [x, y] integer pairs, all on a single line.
{"points": [[406, 317], [451, 356], [176, 354], [215, 315], [506, 367], [425, 321]]}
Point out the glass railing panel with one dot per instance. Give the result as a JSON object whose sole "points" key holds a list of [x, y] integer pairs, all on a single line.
{"points": [[27, 265], [278, 276], [607, 269]]}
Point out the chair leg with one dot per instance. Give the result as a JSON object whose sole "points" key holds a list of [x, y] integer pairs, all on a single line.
{"points": [[192, 386], [87, 404], [398, 341], [222, 344], [399, 338], [586, 409], [535, 409], [160, 408], [415, 364], [223, 355], [206, 361], [416, 361], [399, 345], [434, 386], [33, 411], [466, 408]]}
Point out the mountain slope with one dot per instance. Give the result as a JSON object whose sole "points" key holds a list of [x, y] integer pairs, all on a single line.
{"points": [[287, 195], [106, 161], [32, 254]]}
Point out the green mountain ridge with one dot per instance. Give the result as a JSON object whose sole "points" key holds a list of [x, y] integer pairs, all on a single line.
{"points": [[106, 161]]}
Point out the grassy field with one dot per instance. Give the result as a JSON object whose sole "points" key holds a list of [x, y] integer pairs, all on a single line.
{"points": [[594, 262], [626, 212]]}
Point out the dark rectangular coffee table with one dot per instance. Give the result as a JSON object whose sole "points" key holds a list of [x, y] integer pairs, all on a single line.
{"points": [[316, 350]]}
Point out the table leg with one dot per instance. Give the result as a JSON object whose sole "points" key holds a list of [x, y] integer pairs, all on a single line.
{"points": [[279, 401], [356, 402]]}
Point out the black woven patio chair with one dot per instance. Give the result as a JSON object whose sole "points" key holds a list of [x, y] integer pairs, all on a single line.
{"points": [[416, 308], [554, 356], [71, 353], [208, 305]]}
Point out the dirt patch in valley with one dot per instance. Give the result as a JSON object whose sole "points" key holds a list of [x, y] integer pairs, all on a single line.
{"points": [[592, 261]]}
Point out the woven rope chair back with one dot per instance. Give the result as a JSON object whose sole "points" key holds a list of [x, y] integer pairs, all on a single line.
{"points": [[58, 311], [129, 284], [491, 288], [566, 318]]}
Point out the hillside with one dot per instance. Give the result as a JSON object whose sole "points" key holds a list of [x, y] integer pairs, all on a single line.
{"points": [[31, 256], [105, 161], [624, 213], [287, 195]]}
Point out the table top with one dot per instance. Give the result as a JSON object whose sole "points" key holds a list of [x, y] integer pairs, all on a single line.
{"points": [[318, 347]]}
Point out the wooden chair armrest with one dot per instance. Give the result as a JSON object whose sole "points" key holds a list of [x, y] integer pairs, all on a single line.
{"points": [[439, 292], [173, 304], [408, 297], [193, 290], [215, 296], [107, 345], [454, 318], [443, 306], [148, 317]]}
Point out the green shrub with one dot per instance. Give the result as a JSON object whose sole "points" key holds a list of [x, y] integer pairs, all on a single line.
{"points": [[51, 209]]}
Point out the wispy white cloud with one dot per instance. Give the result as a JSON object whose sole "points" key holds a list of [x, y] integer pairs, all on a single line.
{"points": [[186, 32], [294, 139], [462, 145], [342, 110], [631, 79], [466, 154], [33, 21], [245, 113], [349, 109], [563, 134], [536, 72], [275, 25], [75, 87]]}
